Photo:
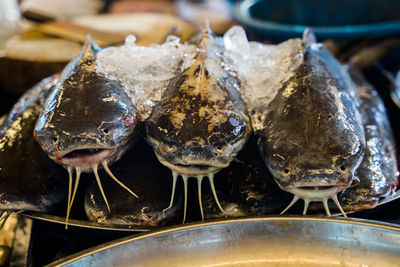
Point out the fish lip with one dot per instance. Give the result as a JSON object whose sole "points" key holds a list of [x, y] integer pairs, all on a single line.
{"points": [[85, 161], [193, 168], [315, 192]]}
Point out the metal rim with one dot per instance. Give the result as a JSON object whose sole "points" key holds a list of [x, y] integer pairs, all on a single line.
{"points": [[134, 228], [283, 219]]}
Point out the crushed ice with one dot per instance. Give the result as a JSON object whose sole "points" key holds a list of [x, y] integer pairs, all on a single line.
{"points": [[262, 69], [144, 71]]}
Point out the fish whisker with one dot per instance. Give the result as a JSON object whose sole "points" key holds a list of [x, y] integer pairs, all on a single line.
{"points": [[105, 166], [211, 179], [199, 180], [96, 174], [174, 178], [185, 183], [335, 199], [71, 200], [306, 203], [325, 202], [294, 200]]}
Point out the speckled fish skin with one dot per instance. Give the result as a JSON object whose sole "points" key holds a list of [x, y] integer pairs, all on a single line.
{"points": [[201, 121], [29, 180], [314, 135], [143, 172], [86, 111], [378, 172]]}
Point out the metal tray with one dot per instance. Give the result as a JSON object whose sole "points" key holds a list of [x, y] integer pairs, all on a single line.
{"points": [[121, 227], [261, 241]]}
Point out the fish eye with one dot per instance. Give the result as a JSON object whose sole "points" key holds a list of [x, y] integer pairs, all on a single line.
{"points": [[342, 168], [105, 130], [286, 171], [55, 139]]}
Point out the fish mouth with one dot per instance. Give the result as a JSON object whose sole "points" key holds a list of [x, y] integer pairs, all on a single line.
{"points": [[194, 168], [315, 193], [85, 158]]}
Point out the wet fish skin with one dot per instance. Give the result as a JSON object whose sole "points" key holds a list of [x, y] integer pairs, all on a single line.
{"points": [[86, 111], [314, 135], [378, 172], [201, 119], [29, 180]]}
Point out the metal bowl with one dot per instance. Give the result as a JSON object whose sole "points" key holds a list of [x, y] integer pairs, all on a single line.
{"points": [[262, 241]]}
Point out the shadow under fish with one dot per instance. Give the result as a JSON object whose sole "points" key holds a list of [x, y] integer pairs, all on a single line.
{"points": [[142, 171], [246, 187], [29, 180]]}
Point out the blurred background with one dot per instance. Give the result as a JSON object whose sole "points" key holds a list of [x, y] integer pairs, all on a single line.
{"points": [[39, 37]]}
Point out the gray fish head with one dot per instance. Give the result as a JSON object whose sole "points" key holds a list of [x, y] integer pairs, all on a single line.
{"points": [[198, 129], [201, 146], [87, 118], [313, 171], [202, 123], [314, 138]]}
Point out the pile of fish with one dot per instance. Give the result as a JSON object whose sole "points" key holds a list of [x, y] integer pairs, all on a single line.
{"points": [[262, 123]]}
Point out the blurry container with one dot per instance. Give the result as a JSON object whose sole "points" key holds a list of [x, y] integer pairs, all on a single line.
{"points": [[339, 19], [9, 20]]}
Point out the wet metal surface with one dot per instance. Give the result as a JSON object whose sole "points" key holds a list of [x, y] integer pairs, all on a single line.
{"points": [[268, 241]]}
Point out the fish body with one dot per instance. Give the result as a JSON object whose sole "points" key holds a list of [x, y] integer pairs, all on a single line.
{"points": [[378, 172], [29, 180], [201, 123], [87, 121], [313, 138]]}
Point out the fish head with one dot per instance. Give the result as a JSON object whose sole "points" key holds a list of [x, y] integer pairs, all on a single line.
{"points": [[201, 124], [87, 118], [314, 139], [192, 143]]}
